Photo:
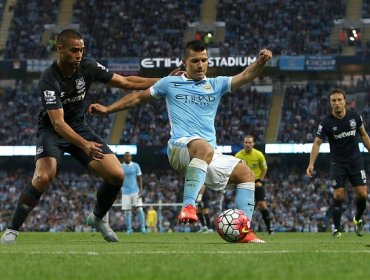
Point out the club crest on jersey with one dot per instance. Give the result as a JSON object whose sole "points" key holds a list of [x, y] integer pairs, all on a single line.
{"points": [[352, 123], [207, 88], [49, 96], [80, 83]]}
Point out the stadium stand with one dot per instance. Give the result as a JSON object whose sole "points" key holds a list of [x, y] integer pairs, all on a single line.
{"points": [[365, 9], [127, 29], [28, 25], [271, 24]]}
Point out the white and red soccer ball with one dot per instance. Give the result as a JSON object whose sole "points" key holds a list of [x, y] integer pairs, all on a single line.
{"points": [[233, 225]]}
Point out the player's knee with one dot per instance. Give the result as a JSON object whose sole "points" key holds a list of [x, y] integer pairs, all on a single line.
{"points": [[42, 180], [116, 178]]}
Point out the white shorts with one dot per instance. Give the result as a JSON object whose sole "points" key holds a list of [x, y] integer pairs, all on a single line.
{"points": [[219, 170], [131, 200]]}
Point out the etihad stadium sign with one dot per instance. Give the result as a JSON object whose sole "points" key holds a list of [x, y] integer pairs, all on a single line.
{"points": [[162, 62]]}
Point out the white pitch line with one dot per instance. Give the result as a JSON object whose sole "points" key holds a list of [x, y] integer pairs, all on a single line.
{"points": [[92, 253]]}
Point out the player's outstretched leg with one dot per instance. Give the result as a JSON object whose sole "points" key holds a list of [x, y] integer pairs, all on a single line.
{"points": [[102, 226], [9, 236]]}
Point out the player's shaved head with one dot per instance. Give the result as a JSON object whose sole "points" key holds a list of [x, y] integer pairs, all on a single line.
{"points": [[67, 34], [195, 45]]}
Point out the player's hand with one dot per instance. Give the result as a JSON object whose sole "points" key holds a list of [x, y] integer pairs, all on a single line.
{"points": [[177, 72], [265, 55], [309, 171], [259, 183], [98, 109], [94, 151]]}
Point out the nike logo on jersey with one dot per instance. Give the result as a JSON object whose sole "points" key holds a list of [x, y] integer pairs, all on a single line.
{"points": [[177, 85]]}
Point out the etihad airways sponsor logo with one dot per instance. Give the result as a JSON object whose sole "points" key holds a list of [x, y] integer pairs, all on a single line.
{"points": [[345, 134], [195, 99]]}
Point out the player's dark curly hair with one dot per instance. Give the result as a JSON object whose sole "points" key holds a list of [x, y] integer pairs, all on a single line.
{"points": [[337, 90], [195, 45], [67, 34]]}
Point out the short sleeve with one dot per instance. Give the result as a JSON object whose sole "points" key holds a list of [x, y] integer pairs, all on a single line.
{"points": [[223, 84], [98, 71], [320, 131], [360, 122], [50, 96], [158, 90], [138, 170]]}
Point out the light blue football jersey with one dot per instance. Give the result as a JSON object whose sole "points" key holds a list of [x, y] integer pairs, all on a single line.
{"points": [[130, 185], [192, 105]]}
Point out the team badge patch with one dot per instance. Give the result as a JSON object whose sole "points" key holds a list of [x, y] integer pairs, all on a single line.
{"points": [[352, 123], [80, 83], [49, 96], [207, 88]]}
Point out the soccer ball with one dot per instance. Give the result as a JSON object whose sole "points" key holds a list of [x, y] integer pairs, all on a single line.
{"points": [[233, 225]]}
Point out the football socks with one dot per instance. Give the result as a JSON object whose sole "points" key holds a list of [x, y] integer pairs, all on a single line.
{"points": [[360, 208], [244, 200], [27, 201], [337, 213], [266, 219], [106, 195], [128, 218], [194, 179]]}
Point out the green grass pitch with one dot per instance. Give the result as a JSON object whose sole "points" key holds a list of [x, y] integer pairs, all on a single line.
{"points": [[185, 256]]}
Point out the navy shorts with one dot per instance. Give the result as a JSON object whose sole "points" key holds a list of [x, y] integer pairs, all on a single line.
{"points": [[355, 173], [51, 144]]}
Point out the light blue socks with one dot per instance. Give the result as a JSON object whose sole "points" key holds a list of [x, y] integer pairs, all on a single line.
{"points": [[244, 198], [194, 180]]}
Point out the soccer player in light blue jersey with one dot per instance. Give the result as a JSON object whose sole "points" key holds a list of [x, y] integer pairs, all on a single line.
{"points": [[131, 192], [192, 101]]}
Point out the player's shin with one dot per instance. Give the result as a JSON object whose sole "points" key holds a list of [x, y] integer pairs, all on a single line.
{"points": [[27, 201], [194, 179], [337, 214], [128, 220], [106, 196], [360, 208], [244, 198]]}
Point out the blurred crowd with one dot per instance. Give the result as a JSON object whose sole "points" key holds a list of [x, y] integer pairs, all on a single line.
{"points": [[149, 28], [31, 17], [285, 26], [126, 28], [297, 203]]}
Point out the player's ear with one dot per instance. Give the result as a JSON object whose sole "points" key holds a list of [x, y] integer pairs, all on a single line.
{"points": [[59, 48]]}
